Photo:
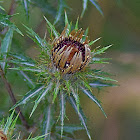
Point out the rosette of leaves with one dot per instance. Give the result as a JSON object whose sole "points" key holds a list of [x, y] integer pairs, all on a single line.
{"points": [[61, 73]]}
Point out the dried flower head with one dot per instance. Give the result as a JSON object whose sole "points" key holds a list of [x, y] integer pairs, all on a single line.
{"points": [[2, 135], [70, 54]]}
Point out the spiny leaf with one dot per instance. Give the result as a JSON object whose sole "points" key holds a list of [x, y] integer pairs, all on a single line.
{"points": [[76, 25], [100, 84], [56, 90], [104, 78], [59, 11], [52, 28], [84, 81], [26, 4], [2, 8], [40, 97], [76, 97], [27, 79], [62, 111], [85, 34], [99, 60], [4, 20], [21, 57], [9, 122], [26, 69], [70, 128], [28, 96], [66, 19], [37, 138], [99, 72], [86, 84], [2, 123], [92, 42], [80, 114], [19, 62], [14, 122], [68, 85], [42, 43], [48, 121], [46, 7], [93, 98], [102, 50], [67, 24], [95, 3], [84, 7], [5, 47]]}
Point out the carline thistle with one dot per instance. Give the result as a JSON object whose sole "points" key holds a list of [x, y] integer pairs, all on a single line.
{"points": [[70, 53], [66, 74]]}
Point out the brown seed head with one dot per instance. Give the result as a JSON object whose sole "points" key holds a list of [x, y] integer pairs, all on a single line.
{"points": [[69, 53]]}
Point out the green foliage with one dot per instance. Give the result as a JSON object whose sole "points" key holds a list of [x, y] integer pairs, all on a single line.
{"points": [[5, 47], [5, 22], [26, 4]]}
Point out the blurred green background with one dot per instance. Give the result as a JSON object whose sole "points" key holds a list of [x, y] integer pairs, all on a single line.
{"points": [[120, 26]]}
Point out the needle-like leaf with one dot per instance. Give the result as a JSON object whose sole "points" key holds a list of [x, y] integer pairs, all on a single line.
{"points": [[97, 60], [102, 50], [92, 42], [2, 8], [70, 128], [26, 69], [35, 37], [59, 11], [80, 114], [9, 122], [93, 98], [95, 3], [104, 78], [40, 97], [62, 111], [52, 28], [29, 95], [26, 4], [76, 97], [56, 90], [101, 84], [4, 21], [48, 121], [27, 79], [85, 2], [5, 47]]}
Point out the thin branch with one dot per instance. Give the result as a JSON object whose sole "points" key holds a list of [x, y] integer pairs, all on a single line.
{"points": [[11, 94], [12, 8]]}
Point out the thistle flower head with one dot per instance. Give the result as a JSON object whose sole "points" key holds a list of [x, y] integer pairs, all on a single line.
{"points": [[70, 53]]}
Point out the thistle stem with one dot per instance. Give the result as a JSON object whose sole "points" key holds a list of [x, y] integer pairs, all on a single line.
{"points": [[11, 94]]}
